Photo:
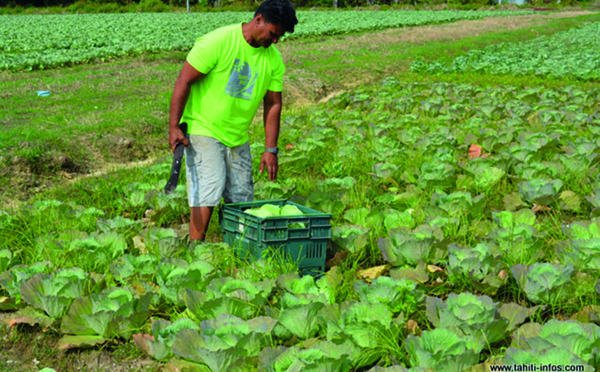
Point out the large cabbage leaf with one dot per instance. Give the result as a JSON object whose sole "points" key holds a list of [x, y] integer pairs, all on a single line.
{"points": [[302, 320]]}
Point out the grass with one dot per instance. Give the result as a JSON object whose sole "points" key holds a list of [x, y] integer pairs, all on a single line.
{"points": [[373, 56], [117, 115], [104, 115]]}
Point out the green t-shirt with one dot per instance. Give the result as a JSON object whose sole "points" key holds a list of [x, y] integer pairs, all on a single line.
{"points": [[223, 103]]}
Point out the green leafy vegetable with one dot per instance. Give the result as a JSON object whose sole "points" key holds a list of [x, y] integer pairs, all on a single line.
{"points": [[471, 315], [560, 342], [541, 191], [54, 293], [440, 350], [544, 282], [116, 312], [398, 295]]}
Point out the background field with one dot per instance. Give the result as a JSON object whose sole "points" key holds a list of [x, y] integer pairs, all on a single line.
{"points": [[385, 149]]}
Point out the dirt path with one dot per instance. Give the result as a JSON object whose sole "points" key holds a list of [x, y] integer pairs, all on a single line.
{"points": [[304, 87], [459, 30]]}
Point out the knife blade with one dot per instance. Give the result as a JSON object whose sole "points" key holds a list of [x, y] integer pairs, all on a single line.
{"points": [[176, 164]]}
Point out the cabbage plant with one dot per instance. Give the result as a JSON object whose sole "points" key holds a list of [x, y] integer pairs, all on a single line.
{"points": [[351, 238], [582, 250], [305, 290], [240, 298], [368, 325], [558, 342], [482, 174], [173, 275], [544, 283], [474, 316], [540, 191], [515, 237], [378, 217], [125, 226], [441, 350], [476, 266], [164, 333], [398, 295], [12, 280], [161, 242], [324, 356], [437, 174], [128, 266], [411, 247], [115, 312], [226, 343], [536, 170], [457, 203], [303, 321], [268, 190], [54, 293]]}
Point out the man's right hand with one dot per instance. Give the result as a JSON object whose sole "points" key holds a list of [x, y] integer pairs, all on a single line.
{"points": [[176, 137]]}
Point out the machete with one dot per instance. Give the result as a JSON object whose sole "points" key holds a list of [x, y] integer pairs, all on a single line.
{"points": [[176, 165]]}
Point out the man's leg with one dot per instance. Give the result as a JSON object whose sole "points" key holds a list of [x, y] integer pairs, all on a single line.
{"points": [[199, 220], [205, 166]]}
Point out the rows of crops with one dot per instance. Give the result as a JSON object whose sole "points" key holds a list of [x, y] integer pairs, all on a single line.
{"points": [[38, 42], [574, 53], [480, 202], [466, 232]]}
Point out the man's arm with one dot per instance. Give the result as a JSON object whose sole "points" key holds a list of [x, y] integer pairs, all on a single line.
{"points": [[272, 118], [181, 92]]}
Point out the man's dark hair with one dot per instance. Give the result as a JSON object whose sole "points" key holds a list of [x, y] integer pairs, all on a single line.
{"points": [[280, 12]]}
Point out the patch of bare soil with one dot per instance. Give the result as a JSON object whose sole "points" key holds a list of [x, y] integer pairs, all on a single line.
{"points": [[459, 30], [31, 349], [27, 176]]}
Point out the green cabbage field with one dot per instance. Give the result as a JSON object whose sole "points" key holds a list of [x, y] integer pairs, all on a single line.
{"points": [[574, 53], [466, 222], [43, 41]]}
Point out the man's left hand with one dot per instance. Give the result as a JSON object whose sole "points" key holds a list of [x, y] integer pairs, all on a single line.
{"points": [[269, 161]]}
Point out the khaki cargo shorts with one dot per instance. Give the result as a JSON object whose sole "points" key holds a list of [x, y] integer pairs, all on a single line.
{"points": [[215, 171]]}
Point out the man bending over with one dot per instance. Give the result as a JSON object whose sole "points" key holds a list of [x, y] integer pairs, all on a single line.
{"points": [[227, 74]]}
